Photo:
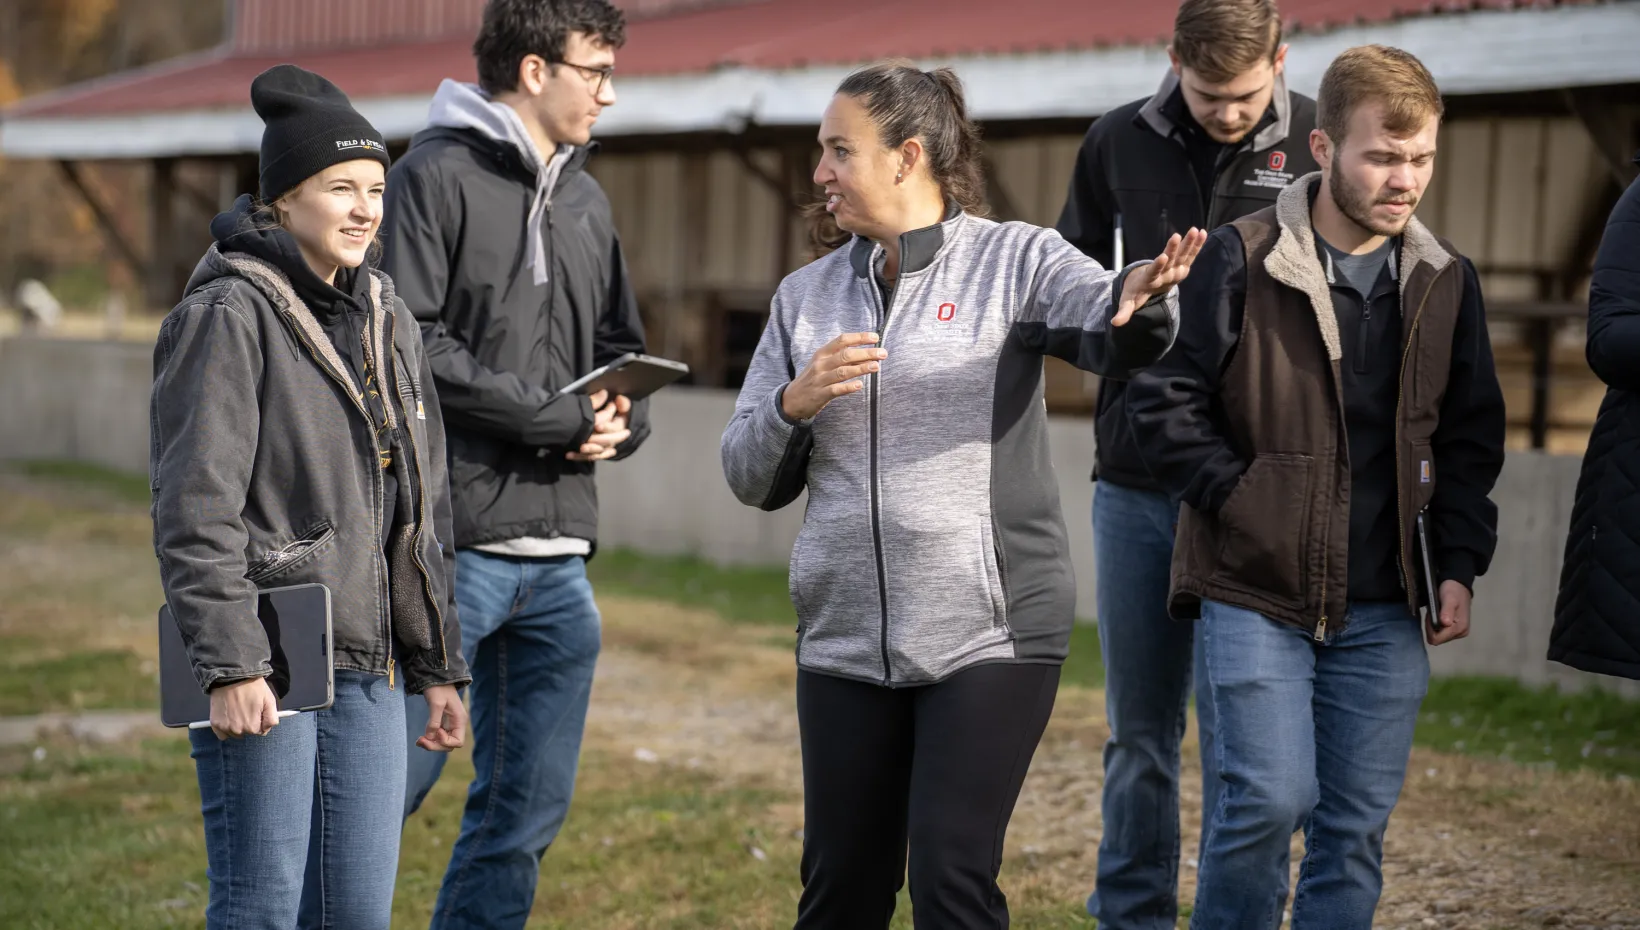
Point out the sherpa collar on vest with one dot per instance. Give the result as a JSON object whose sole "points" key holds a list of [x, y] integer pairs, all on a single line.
{"points": [[267, 278], [918, 248], [1294, 260]]}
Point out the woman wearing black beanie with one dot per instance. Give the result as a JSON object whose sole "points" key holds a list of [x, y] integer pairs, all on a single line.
{"points": [[296, 438]]}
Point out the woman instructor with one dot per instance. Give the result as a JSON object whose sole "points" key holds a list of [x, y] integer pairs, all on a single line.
{"points": [[899, 380]]}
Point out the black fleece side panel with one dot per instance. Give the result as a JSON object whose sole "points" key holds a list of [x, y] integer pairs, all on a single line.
{"points": [[1033, 548], [792, 475]]}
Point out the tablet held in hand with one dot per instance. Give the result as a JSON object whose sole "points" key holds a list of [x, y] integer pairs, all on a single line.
{"points": [[633, 376]]}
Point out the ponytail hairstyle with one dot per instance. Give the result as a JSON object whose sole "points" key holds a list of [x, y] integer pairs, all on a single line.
{"points": [[905, 102]]}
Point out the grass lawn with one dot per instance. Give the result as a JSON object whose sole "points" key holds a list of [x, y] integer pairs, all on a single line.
{"points": [[648, 846], [101, 679], [123, 486], [1490, 717], [108, 836], [660, 847]]}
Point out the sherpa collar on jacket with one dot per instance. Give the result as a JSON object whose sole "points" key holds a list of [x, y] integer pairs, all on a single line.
{"points": [[1295, 262], [268, 279]]}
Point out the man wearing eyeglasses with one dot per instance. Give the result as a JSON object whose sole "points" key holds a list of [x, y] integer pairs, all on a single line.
{"points": [[503, 248]]}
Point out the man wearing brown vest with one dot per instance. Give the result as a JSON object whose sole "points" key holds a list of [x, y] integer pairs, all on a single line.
{"points": [[1332, 381], [1218, 140]]}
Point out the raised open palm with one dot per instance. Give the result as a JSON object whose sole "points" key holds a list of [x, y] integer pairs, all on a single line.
{"points": [[1161, 275]]}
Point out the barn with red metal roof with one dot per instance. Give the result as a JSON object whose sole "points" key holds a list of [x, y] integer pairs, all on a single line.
{"points": [[707, 154]]}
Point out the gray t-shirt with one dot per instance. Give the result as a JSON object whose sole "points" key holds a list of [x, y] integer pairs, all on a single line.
{"points": [[1360, 272]]}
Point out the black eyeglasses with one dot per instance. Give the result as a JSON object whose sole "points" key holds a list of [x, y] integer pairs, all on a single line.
{"points": [[602, 74]]}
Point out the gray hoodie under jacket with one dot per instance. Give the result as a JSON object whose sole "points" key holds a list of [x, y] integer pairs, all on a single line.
{"points": [[933, 539]]}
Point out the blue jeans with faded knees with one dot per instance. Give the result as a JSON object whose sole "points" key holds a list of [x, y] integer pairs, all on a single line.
{"points": [[1152, 665], [302, 825], [531, 633], [1312, 736]]}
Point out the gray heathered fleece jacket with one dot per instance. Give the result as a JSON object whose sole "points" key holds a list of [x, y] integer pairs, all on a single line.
{"points": [[933, 539]]}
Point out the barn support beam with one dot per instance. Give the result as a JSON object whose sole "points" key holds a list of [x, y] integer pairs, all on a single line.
{"points": [[118, 242], [162, 287], [794, 168]]}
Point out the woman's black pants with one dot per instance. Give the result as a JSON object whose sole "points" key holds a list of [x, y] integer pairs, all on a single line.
{"points": [[937, 767]]}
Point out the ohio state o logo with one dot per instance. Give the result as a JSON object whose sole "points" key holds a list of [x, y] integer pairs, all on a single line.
{"points": [[947, 313]]}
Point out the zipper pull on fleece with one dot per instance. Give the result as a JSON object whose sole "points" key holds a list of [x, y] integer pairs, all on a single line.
{"points": [[1320, 632], [390, 674]]}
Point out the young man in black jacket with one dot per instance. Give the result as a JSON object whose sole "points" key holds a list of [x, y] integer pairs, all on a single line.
{"points": [[504, 249], [1218, 140], [1331, 388]]}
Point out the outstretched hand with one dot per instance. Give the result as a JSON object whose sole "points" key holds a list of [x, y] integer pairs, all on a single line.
{"points": [[1160, 276]]}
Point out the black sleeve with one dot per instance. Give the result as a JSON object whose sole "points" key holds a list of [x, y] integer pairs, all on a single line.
{"points": [[1468, 447], [1086, 221], [620, 331], [417, 247], [1172, 405], [1614, 297]]}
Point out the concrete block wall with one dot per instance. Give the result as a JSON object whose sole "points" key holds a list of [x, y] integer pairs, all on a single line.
{"points": [[85, 400], [76, 399]]}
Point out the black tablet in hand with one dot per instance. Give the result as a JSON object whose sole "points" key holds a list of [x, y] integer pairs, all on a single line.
{"points": [[632, 375], [1426, 571], [297, 620]]}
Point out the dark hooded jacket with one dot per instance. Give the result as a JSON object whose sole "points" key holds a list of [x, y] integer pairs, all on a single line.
{"points": [[513, 268]]}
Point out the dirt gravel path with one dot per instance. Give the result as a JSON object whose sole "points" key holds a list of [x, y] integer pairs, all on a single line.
{"points": [[1473, 844]]}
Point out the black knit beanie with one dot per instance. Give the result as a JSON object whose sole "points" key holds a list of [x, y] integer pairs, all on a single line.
{"points": [[310, 126]]}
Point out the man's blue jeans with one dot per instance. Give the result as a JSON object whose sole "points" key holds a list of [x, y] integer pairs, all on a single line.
{"points": [[1311, 736], [530, 631], [1150, 665], [302, 825]]}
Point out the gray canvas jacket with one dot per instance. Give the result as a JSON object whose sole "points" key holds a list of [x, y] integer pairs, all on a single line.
{"points": [[264, 468], [933, 539]]}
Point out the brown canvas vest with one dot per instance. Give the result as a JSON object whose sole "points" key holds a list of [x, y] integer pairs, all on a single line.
{"points": [[1280, 543]]}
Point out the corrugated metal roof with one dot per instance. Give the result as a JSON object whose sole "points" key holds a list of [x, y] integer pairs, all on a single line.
{"points": [[283, 26], [770, 34], [272, 26], [789, 33]]}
